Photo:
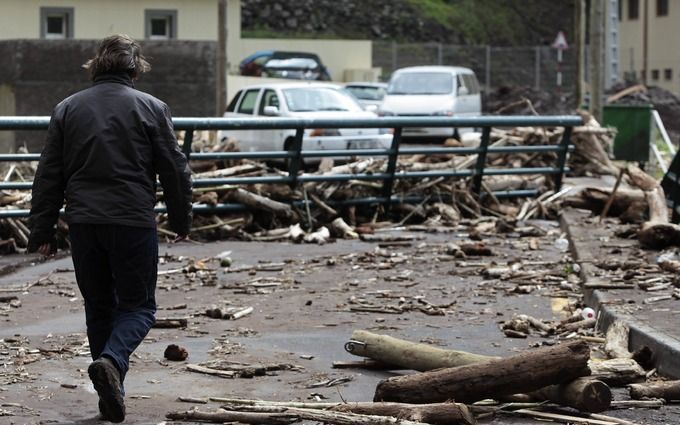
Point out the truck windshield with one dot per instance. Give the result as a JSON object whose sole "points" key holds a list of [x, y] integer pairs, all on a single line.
{"points": [[421, 83]]}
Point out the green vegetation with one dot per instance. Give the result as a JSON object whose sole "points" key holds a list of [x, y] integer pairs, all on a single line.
{"points": [[440, 11], [472, 22]]}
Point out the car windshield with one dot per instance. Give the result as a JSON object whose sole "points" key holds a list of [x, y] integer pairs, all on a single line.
{"points": [[307, 99], [366, 92], [421, 83]]}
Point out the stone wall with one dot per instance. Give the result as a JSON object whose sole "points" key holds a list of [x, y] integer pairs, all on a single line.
{"points": [[38, 74]]}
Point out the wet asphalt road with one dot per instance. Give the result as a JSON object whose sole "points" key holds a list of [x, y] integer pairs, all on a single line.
{"points": [[301, 316]]}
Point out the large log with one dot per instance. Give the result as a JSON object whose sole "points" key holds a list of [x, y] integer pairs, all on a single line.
{"points": [[521, 373], [584, 394], [409, 355], [669, 390]]}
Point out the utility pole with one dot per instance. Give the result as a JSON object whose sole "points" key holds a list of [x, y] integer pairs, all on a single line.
{"points": [[580, 32], [221, 71], [597, 9]]}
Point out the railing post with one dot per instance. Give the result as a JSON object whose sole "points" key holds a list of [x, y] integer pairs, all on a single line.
{"points": [[391, 167], [481, 161], [296, 160], [188, 140], [562, 157]]}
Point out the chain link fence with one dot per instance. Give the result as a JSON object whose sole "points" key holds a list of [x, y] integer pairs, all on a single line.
{"points": [[533, 66]]}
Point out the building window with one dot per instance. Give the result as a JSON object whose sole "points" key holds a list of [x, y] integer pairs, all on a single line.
{"points": [[655, 74], [661, 7], [633, 9], [668, 74], [160, 24], [620, 9], [56, 22]]}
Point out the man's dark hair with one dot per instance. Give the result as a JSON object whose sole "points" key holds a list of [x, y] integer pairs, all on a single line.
{"points": [[118, 54]]}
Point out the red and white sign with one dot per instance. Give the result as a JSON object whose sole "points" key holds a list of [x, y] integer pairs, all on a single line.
{"points": [[560, 42]]}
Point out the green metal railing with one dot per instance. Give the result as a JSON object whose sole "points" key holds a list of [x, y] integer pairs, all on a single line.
{"points": [[295, 155]]}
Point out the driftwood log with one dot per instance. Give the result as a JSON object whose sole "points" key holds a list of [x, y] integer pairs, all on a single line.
{"points": [[286, 415], [617, 372], [669, 390], [522, 373], [435, 414], [584, 394], [658, 232], [616, 342], [408, 355], [258, 202]]}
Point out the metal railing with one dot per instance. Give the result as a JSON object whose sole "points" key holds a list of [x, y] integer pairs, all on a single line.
{"points": [[295, 155]]}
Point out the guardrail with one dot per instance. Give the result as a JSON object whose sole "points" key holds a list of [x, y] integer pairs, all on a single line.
{"points": [[295, 155]]}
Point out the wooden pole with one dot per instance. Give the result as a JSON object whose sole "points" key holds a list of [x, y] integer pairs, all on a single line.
{"points": [[522, 373], [221, 71]]}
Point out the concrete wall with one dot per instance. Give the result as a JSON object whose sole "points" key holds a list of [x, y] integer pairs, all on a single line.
{"points": [[337, 55], [662, 36], [95, 19], [37, 74]]}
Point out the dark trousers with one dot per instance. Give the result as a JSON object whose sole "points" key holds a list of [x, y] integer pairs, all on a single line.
{"points": [[116, 268]]}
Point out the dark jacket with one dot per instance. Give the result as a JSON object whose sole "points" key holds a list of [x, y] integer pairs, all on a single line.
{"points": [[105, 146]]}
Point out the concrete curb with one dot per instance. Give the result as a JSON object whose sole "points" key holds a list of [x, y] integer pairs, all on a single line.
{"points": [[665, 347]]}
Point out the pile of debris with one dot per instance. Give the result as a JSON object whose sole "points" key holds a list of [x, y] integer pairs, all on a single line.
{"points": [[315, 212], [457, 387], [524, 100]]}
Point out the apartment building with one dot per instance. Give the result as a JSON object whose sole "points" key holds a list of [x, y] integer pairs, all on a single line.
{"points": [[648, 33]]}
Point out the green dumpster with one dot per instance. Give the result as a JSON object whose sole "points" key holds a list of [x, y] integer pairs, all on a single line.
{"points": [[634, 129]]}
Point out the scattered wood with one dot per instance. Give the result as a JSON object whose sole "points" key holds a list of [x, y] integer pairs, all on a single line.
{"points": [[616, 345], [435, 414], [521, 373], [168, 323], [617, 372], [228, 313], [569, 419], [288, 415], [668, 390], [257, 202], [575, 326]]}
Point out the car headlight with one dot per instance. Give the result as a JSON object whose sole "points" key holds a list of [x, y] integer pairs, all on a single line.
{"points": [[444, 113]]}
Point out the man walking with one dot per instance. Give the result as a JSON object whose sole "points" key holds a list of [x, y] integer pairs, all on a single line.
{"points": [[105, 146]]}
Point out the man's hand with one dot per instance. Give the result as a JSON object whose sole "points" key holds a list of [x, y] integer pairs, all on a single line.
{"points": [[180, 238], [45, 249]]}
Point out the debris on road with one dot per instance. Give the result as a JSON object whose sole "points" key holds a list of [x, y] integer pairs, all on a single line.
{"points": [[175, 353]]}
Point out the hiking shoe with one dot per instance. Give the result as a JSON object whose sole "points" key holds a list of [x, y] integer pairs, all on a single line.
{"points": [[106, 380]]}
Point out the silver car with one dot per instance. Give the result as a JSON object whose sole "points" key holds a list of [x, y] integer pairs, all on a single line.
{"points": [[302, 100]]}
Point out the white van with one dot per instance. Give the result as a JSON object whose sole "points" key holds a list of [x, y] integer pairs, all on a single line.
{"points": [[432, 91]]}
